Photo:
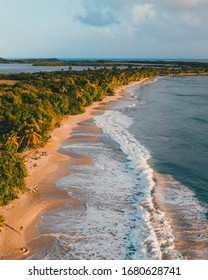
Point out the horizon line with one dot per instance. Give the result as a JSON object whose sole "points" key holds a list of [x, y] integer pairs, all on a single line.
{"points": [[108, 58]]}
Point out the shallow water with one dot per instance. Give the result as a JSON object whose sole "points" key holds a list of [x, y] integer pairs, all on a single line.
{"points": [[29, 68]]}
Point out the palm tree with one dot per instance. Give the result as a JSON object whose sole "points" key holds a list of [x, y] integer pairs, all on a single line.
{"points": [[30, 136], [13, 141], [33, 138]]}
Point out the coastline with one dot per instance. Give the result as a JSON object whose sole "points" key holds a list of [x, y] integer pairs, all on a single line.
{"points": [[23, 214]]}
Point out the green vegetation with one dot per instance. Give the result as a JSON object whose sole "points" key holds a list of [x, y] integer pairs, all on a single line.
{"points": [[13, 172], [36, 103]]}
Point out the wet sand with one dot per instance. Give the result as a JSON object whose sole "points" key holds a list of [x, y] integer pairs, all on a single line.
{"points": [[45, 167], [190, 234]]}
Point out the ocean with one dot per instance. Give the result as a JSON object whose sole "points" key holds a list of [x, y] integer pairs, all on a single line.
{"points": [[145, 196]]}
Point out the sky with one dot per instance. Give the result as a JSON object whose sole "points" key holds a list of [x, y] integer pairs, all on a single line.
{"points": [[104, 29]]}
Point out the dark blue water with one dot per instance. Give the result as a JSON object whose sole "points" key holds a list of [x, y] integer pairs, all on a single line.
{"points": [[171, 120]]}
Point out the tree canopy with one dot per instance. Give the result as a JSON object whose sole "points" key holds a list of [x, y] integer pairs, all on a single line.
{"points": [[36, 103]]}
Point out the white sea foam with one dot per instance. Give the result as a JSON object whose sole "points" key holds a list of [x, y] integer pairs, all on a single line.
{"points": [[114, 220], [189, 216], [116, 124], [117, 218], [103, 219]]}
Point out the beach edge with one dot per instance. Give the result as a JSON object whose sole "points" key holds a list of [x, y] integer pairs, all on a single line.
{"points": [[41, 194]]}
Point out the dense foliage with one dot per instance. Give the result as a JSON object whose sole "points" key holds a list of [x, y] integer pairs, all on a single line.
{"points": [[12, 172], [35, 104]]}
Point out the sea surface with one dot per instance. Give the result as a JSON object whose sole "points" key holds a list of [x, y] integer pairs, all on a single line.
{"points": [[29, 68], [146, 194]]}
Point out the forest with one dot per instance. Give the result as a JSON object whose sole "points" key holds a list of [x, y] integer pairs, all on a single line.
{"points": [[31, 105]]}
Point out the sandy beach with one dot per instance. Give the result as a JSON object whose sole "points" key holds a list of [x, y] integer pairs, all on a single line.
{"points": [[45, 166]]}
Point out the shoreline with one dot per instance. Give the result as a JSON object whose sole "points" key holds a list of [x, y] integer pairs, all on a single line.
{"points": [[45, 167]]}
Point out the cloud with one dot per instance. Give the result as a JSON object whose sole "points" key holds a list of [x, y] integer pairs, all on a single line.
{"points": [[182, 5], [156, 28], [192, 20], [143, 12], [97, 15], [96, 18]]}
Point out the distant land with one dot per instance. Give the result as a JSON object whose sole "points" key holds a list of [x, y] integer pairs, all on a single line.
{"points": [[107, 62], [33, 105]]}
